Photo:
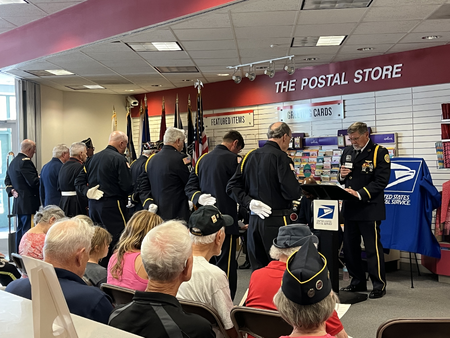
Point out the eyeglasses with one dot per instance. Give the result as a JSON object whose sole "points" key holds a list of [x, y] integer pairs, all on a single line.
{"points": [[354, 138]]}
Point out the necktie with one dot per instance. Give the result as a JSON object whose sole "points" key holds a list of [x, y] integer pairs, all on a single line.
{"points": [[355, 154]]}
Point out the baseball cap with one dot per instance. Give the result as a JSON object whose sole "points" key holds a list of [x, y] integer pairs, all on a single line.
{"points": [[207, 220]]}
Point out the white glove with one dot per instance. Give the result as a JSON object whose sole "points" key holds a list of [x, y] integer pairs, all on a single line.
{"points": [[261, 209], [206, 199], [153, 208], [94, 193], [130, 204], [191, 205]]}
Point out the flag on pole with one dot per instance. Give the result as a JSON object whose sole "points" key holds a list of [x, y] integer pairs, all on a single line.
{"points": [[114, 120], [163, 128], [145, 126], [200, 139], [190, 131], [177, 120], [131, 152]]}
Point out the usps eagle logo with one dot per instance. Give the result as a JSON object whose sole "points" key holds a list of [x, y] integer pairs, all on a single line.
{"points": [[326, 212]]}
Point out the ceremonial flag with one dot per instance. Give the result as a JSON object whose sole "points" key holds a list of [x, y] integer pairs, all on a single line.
{"points": [[190, 131], [177, 120], [200, 139], [131, 152], [114, 120], [145, 126], [163, 128]]}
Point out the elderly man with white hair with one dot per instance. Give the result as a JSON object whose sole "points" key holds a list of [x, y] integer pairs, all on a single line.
{"points": [[161, 188], [166, 253], [265, 282], [209, 284], [67, 247]]}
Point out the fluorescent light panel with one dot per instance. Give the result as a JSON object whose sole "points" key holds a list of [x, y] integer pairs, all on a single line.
{"points": [[155, 46], [313, 41], [186, 69], [59, 72], [330, 40], [334, 4], [4, 2], [93, 87]]}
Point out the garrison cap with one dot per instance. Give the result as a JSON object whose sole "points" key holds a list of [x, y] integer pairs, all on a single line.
{"points": [[88, 143], [207, 220], [306, 280], [293, 235]]}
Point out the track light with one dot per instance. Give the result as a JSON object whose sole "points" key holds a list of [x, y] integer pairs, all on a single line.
{"points": [[290, 66], [236, 78], [251, 75], [270, 72]]}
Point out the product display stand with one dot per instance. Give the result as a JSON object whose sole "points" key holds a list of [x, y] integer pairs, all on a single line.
{"points": [[330, 239]]}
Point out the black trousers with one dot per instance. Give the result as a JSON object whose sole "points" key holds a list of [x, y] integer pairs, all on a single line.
{"points": [[370, 231], [111, 214], [227, 262]]}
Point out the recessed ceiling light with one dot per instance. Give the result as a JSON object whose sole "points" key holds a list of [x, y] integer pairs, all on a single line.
{"points": [[330, 40], [93, 87], [187, 80], [59, 72], [431, 37], [156, 85], [334, 4], [129, 90], [363, 49], [154, 46], [261, 67], [4, 2], [182, 69], [224, 74], [311, 59]]}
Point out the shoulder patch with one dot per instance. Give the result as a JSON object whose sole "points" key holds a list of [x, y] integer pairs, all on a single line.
{"points": [[239, 159], [186, 160], [387, 158], [26, 159]]}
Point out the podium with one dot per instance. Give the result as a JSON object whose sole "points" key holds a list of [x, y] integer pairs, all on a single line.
{"points": [[329, 239]]}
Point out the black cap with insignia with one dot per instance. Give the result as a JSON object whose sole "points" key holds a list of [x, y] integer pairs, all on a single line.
{"points": [[88, 143], [207, 220], [306, 280]]}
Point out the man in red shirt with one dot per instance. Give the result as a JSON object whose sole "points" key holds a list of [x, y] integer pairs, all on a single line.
{"points": [[265, 282]]}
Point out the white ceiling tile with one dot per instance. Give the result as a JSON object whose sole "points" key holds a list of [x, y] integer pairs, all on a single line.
{"points": [[272, 18], [402, 47], [260, 54], [267, 6], [265, 43], [204, 34], [90, 71], [314, 50], [11, 10], [23, 20], [325, 29], [383, 3], [149, 56], [399, 13], [351, 49], [217, 62], [331, 16], [362, 55], [397, 26], [37, 65], [417, 37], [106, 47], [126, 56], [373, 39], [151, 35], [263, 31], [53, 7], [214, 54], [6, 24], [208, 45], [171, 63], [211, 20], [430, 26]]}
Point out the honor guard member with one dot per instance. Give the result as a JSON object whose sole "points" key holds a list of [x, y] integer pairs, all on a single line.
{"points": [[265, 183], [161, 187], [137, 168], [365, 171], [106, 181], [50, 195], [72, 202], [22, 183], [207, 186], [89, 148]]}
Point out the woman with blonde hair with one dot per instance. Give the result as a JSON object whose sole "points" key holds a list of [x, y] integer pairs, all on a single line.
{"points": [[95, 273], [125, 267]]}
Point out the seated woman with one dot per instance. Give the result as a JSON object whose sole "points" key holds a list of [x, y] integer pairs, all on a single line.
{"points": [[305, 299], [95, 273], [125, 266], [32, 243]]}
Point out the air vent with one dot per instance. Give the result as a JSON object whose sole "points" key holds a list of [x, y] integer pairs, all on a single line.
{"points": [[334, 4], [186, 69]]}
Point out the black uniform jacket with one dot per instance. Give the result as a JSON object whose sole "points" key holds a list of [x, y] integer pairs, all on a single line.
{"points": [[72, 205], [210, 176], [23, 177], [266, 174], [110, 170], [369, 177], [163, 184], [137, 168]]}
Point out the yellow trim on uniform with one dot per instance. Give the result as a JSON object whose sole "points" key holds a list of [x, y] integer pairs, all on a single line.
{"points": [[195, 193], [229, 257], [132, 163], [375, 156], [9, 274], [151, 199], [284, 219], [306, 281], [32, 221], [146, 162], [118, 205], [198, 161], [243, 161], [378, 255], [368, 193], [84, 168]]}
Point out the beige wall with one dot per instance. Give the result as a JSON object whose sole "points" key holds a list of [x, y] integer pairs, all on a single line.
{"points": [[69, 117]]}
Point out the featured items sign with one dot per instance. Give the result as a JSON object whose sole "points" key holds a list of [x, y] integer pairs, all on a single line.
{"points": [[229, 120], [320, 111]]}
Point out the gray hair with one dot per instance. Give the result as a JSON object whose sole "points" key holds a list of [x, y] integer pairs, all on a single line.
{"points": [[276, 253], [173, 134], [165, 251], [59, 150], [309, 317], [282, 129], [45, 213], [77, 148], [359, 127], [85, 218], [196, 240], [66, 237]]}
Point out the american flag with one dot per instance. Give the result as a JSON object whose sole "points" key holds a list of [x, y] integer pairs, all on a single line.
{"points": [[162, 129], [200, 139], [145, 134], [190, 131], [131, 152]]}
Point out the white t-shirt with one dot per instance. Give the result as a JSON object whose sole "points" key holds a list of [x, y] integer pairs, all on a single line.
{"points": [[209, 285]]}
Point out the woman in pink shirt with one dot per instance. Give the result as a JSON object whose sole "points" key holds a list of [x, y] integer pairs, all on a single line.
{"points": [[32, 242], [125, 266]]}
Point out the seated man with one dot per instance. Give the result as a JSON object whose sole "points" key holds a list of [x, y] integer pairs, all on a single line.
{"points": [[166, 253], [265, 282], [209, 283], [67, 247]]}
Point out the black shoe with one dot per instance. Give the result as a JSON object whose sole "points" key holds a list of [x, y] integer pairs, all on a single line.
{"points": [[246, 265], [377, 293], [354, 288]]}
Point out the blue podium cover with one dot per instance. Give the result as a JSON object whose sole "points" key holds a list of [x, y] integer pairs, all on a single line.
{"points": [[410, 198]]}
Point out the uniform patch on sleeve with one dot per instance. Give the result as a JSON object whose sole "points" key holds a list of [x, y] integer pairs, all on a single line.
{"points": [[239, 159], [292, 167], [186, 160], [128, 165], [387, 158], [26, 159]]}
